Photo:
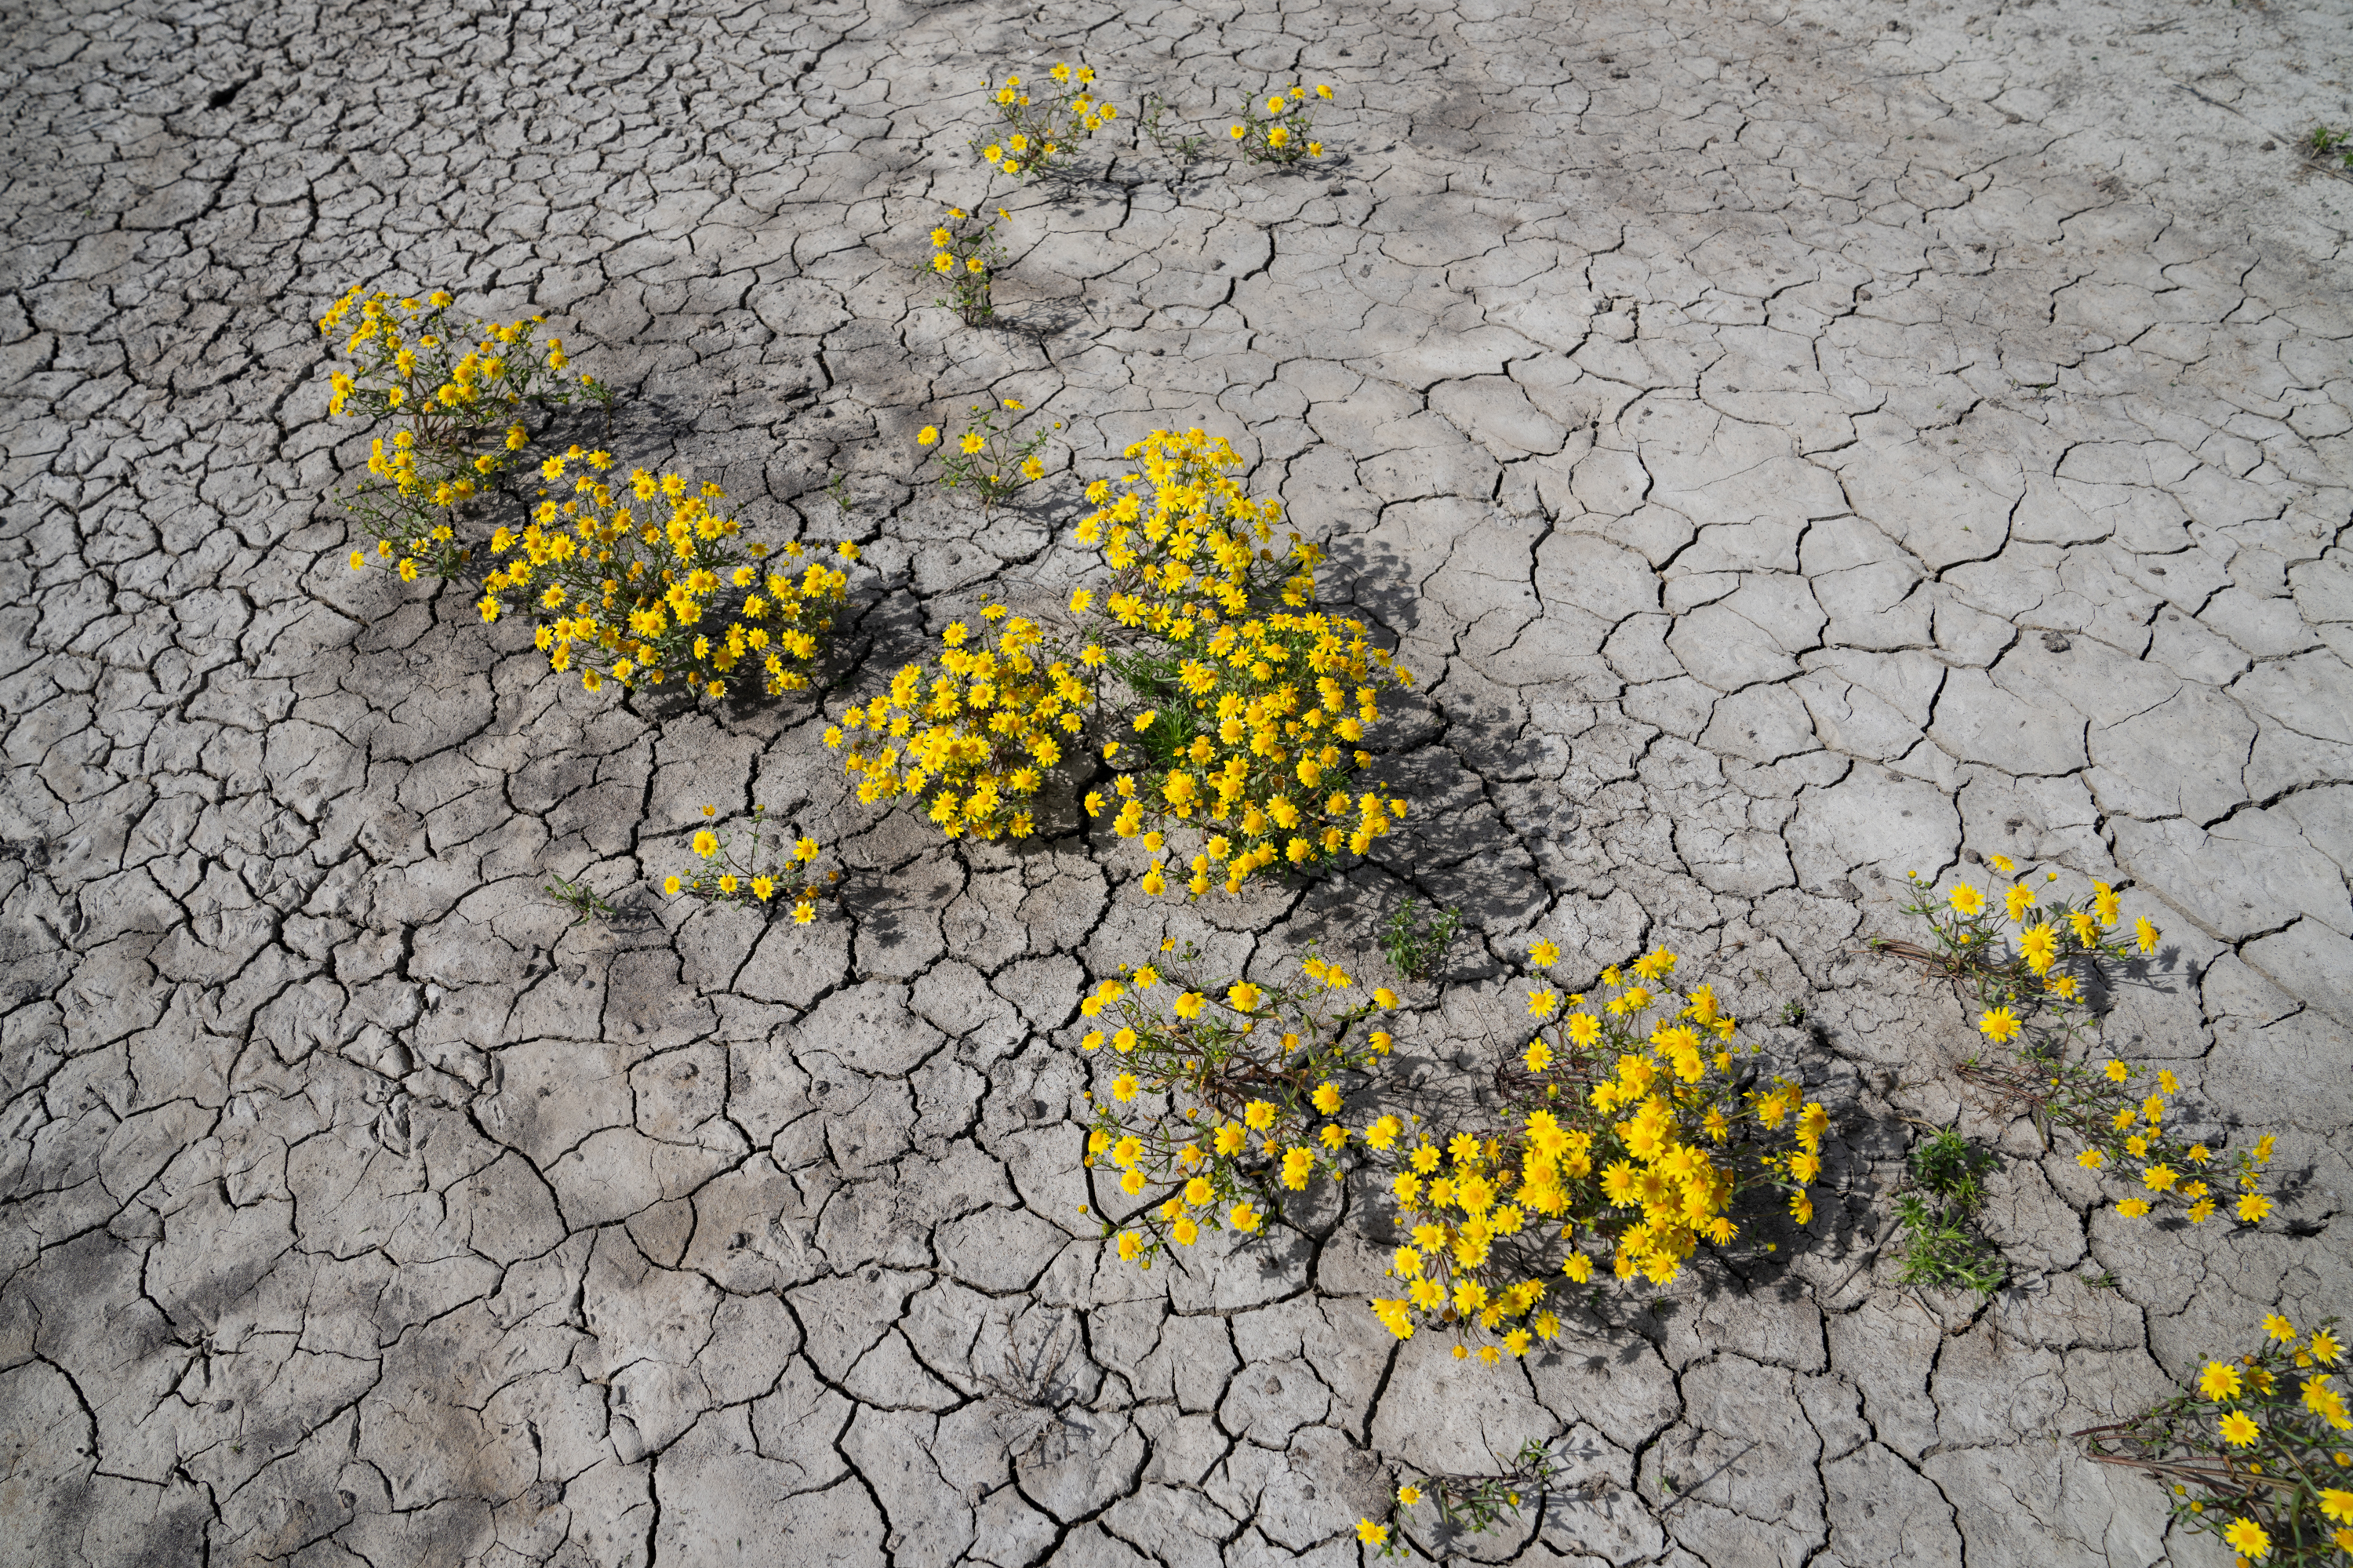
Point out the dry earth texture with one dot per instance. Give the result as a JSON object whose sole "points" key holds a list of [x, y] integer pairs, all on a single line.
{"points": [[1794, 446]]}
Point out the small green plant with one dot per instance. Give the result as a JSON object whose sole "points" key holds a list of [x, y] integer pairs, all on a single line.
{"points": [[1040, 125], [580, 898], [1793, 1013], [1278, 131], [2252, 1450], [2325, 146], [1182, 150], [1471, 1505], [988, 458], [966, 257], [772, 865], [1414, 941], [1941, 1245], [837, 489]]}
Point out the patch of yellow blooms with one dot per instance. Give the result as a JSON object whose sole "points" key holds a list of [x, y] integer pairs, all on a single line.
{"points": [[1640, 1137], [1260, 730], [972, 738], [1041, 124]]}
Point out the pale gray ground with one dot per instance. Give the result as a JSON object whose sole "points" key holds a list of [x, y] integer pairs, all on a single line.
{"points": [[1791, 444]]}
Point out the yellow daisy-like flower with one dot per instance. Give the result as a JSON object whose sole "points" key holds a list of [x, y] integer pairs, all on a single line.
{"points": [[1965, 900], [2253, 1207], [2247, 1539], [2238, 1429], [1372, 1534], [706, 844], [2133, 1208], [1243, 1218], [2219, 1379], [2018, 900], [2145, 934], [2117, 1071], [2000, 1025], [2279, 1329]]}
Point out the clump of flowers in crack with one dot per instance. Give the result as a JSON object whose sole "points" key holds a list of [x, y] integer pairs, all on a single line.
{"points": [[632, 581], [2034, 964], [2256, 1449], [1239, 706], [1628, 1131]]}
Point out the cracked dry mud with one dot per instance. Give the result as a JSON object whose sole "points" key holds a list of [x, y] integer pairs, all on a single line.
{"points": [[1791, 444]]}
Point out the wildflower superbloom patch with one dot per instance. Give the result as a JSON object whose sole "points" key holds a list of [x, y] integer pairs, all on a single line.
{"points": [[972, 735], [1257, 701], [1630, 1128], [634, 581], [458, 390], [645, 582], [2255, 1449]]}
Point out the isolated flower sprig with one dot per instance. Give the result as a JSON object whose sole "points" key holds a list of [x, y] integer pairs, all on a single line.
{"points": [[771, 866], [2257, 1449], [1470, 1504], [987, 457], [1218, 1088], [1041, 124], [966, 258], [2034, 966], [1279, 130], [1634, 1123]]}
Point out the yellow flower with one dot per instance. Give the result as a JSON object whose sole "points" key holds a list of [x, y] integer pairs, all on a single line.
{"points": [[2326, 1347], [2338, 1504], [2252, 1207], [2133, 1208], [2238, 1429], [2219, 1381], [2091, 1160], [2002, 864], [1384, 998], [1243, 1218], [1409, 1495], [1259, 1115], [1326, 1098], [1372, 1534], [971, 442], [2247, 1539], [1544, 954], [1999, 1025], [764, 889], [706, 844], [2145, 934], [2019, 900], [1965, 900], [1123, 1088], [1244, 997], [670, 886], [2118, 1072], [1236, 132]]}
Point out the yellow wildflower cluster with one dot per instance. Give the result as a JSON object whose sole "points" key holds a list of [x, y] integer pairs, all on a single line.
{"points": [[975, 737], [2256, 1450], [631, 581], [1257, 701], [1043, 123], [966, 258], [456, 389], [2036, 961], [774, 866], [1630, 1124], [1279, 130], [1224, 1093], [644, 581]]}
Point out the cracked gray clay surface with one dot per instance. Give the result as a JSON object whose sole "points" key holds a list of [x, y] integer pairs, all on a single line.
{"points": [[1790, 444]]}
